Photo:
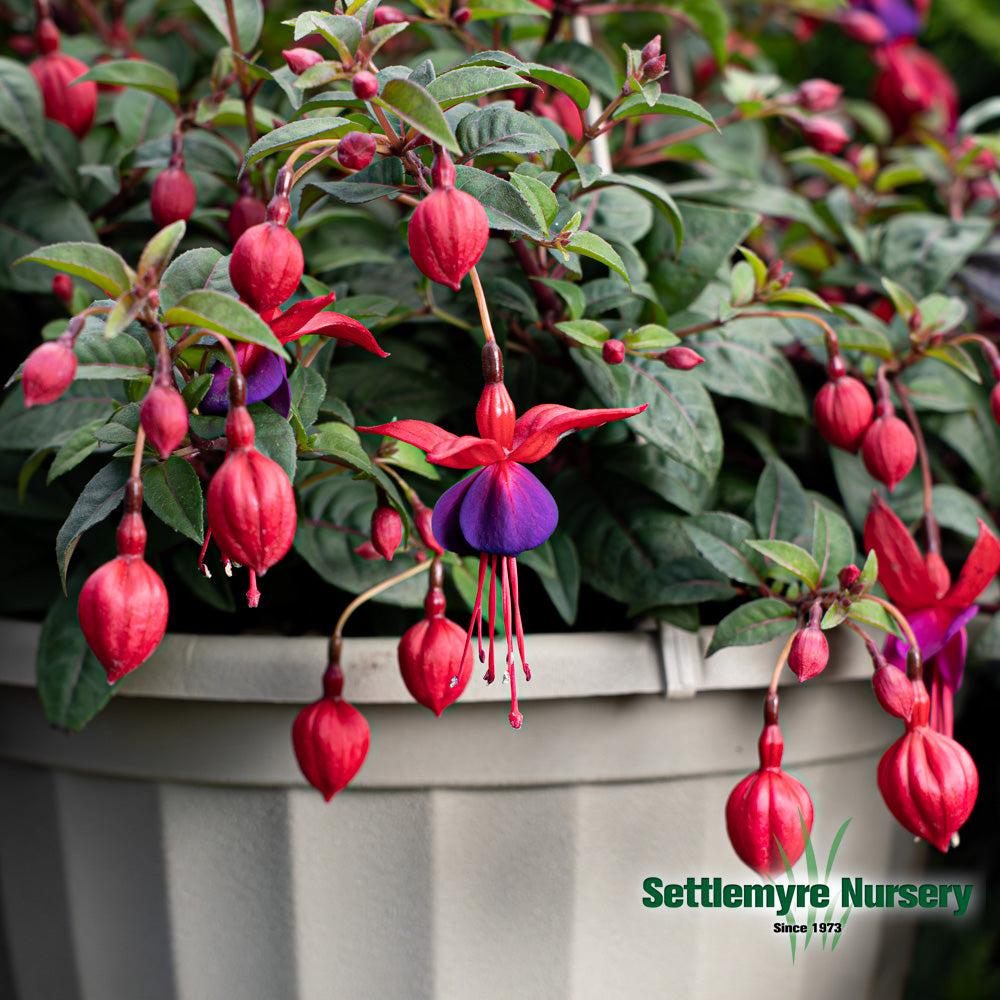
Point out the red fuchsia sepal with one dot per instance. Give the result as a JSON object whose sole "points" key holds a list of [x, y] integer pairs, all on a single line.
{"points": [[928, 780], [123, 607], [766, 811]]}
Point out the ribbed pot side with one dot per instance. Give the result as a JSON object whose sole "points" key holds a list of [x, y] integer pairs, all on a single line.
{"points": [[172, 850]]}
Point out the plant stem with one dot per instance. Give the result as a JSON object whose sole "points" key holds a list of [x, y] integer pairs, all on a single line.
{"points": [[421, 567], [484, 313], [140, 443], [780, 665], [900, 619], [246, 91], [933, 539]]}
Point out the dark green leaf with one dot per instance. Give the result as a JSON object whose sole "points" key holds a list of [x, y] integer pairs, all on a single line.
{"points": [[294, 134], [684, 487], [711, 18], [868, 611], [417, 107], [275, 437], [138, 74], [99, 265], [718, 537], [832, 542], [757, 621], [80, 444], [781, 507], [194, 391], [378, 180], [308, 392], [790, 557], [593, 246], [486, 9], [195, 269], [656, 192], [502, 130], [468, 82], [21, 109], [249, 15], [223, 314], [342, 443], [505, 206], [173, 492], [666, 104], [72, 684], [50, 426], [588, 62], [99, 499], [558, 567]]}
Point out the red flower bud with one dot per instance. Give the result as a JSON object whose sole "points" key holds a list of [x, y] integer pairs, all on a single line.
{"points": [[367, 551], [364, 85], [389, 15], [651, 50], [173, 197], [682, 359], [123, 607], [653, 69], [47, 35], [995, 402], [818, 95], [248, 210], [447, 235], [613, 352], [331, 739], [435, 659], [62, 288], [422, 517], [266, 265], [462, 16], [48, 371], [356, 150], [928, 781], [810, 652], [843, 410], [848, 576], [824, 134], [164, 418], [763, 810], [865, 27], [71, 105], [299, 60], [894, 691], [888, 447], [251, 506], [387, 531]]}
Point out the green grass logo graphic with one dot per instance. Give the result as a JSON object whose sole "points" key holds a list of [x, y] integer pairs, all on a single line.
{"points": [[828, 927]]}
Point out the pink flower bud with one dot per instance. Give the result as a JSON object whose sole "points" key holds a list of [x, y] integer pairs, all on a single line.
{"points": [[894, 691], [651, 50], [995, 402], [848, 576], [613, 352], [653, 69], [247, 211], [331, 739], [888, 448], [809, 654], [682, 358], [300, 59], [367, 551], [364, 85], [123, 607], [824, 134], [387, 531], [422, 517], [266, 266], [843, 410], [462, 16], [70, 104], [62, 288], [356, 150], [250, 503], [48, 371], [818, 95], [447, 235], [435, 659], [389, 15], [763, 811], [173, 196], [866, 28], [164, 418], [928, 780]]}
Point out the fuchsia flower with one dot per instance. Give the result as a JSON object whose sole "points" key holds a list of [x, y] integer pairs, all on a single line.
{"points": [[502, 509], [937, 609], [897, 17], [265, 372]]}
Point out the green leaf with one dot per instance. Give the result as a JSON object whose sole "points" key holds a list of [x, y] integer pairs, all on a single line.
{"points": [[542, 202], [871, 613], [718, 537], [223, 314], [482, 10], [99, 499], [587, 332], [193, 270], [343, 32], [122, 314], [558, 567], [275, 437], [123, 357], [904, 302], [157, 253], [294, 134], [505, 206], [342, 443], [869, 572], [414, 105], [72, 684], [781, 507], [173, 492], [680, 419], [790, 557], [666, 104], [409, 457], [758, 266], [495, 129], [687, 489], [754, 622], [832, 543], [748, 366], [308, 389], [593, 246], [99, 265], [656, 192], [571, 293], [468, 82], [194, 392], [711, 18], [378, 180], [588, 62], [249, 20], [21, 109], [80, 444], [138, 74], [577, 92]]}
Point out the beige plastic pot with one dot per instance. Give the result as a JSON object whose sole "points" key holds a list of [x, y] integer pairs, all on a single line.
{"points": [[172, 851]]}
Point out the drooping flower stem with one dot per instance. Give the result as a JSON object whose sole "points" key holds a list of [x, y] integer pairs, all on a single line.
{"points": [[930, 522], [338, 629], [140, 442], [780, 665], [900, 620], [484, 313]]}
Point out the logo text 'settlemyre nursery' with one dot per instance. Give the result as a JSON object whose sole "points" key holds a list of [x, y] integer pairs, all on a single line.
{"points": [[820, 905]]}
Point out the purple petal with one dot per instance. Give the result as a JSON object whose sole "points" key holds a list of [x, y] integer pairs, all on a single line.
{"points": [[281, 399], [950, 662], [507, 510], [445, 521], [898, 16], [264, 377], [933, 628]]}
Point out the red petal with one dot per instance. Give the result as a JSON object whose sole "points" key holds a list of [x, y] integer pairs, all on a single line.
{"points": [[331, 324], [901, 569], [979, 569], [466, 452], [285, 326], [419, 433], [538, 430]]}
